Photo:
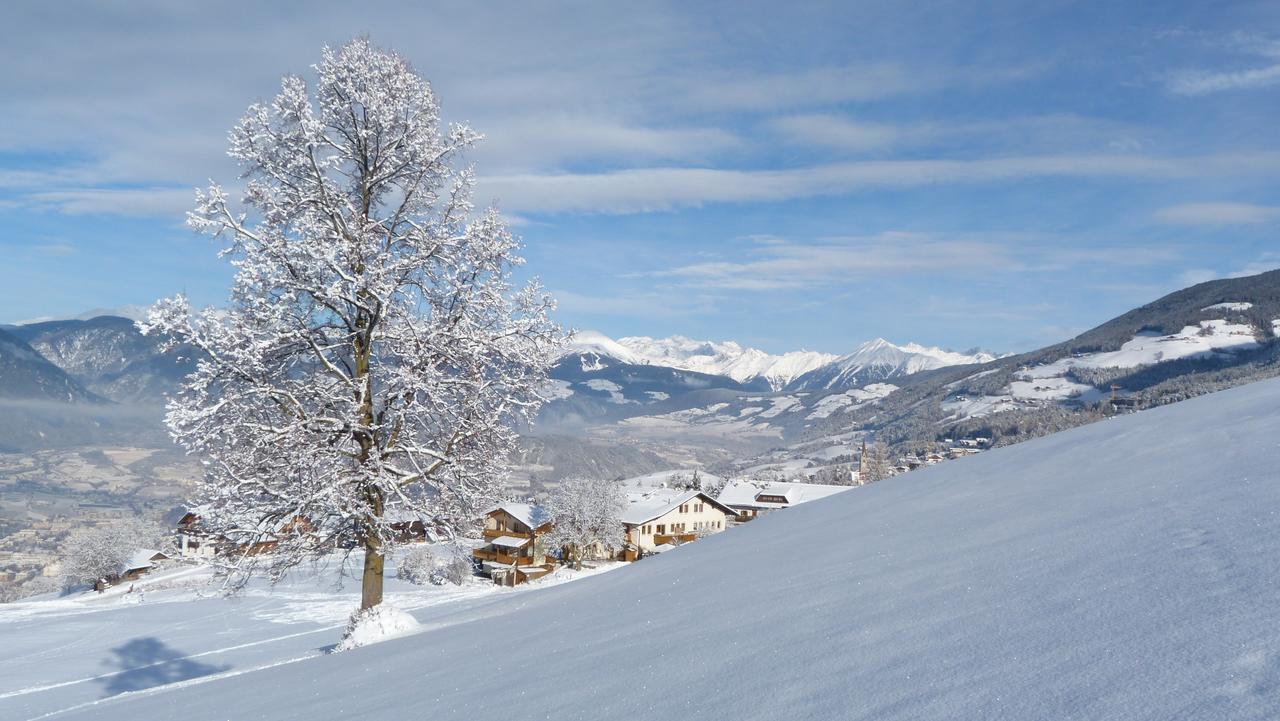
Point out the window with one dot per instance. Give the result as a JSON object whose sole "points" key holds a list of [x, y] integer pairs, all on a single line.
{"points": [[662, 529]]}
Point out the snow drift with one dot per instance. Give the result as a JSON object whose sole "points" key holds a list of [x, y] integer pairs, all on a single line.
{"points": [[1123, 570], [375, 625]]}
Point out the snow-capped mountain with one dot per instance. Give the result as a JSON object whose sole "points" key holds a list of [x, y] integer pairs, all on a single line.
{"points": [[727, 359], [755, 369], [879, 360], [594, 349], [110, 356]]}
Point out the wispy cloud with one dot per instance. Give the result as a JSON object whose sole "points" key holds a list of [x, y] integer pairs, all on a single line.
{"points": [[552, 139], [838, 260], [1264, 72], [797, 265], [1217, 214], [115, 201], [1198, 82], [651, 189], [1026, 133]]}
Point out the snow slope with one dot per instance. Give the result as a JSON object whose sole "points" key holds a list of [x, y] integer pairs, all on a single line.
{"points": [[174, 628], [1209, 338], [1122, 570]]}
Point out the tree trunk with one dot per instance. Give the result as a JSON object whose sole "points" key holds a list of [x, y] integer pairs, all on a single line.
{"points": [[371, 580]]}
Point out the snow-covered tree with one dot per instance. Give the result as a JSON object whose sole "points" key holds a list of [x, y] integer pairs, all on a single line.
{"points": [[374, 357], [96, 554], [877, 464], [435, 565], [586, 513], [837, 475]]}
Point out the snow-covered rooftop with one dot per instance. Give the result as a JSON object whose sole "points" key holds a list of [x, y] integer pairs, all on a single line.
{"points": [[642, 507], [510, 541], [140, 559], [527, 513], [748, 493]]}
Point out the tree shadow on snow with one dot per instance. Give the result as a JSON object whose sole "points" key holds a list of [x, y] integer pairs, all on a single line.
{"points": [[146, 663]]}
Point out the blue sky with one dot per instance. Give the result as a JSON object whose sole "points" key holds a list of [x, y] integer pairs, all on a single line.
{"points": [[786, 176]]}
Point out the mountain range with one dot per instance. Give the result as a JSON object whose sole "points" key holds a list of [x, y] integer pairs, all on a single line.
{"points": [[757, 370], [686, 402], [600, 379]]}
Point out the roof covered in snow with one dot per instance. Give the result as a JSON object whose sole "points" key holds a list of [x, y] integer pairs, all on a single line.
{"points": [[141, 558], [748, 493], [510, 541], [526, 513], [642, 507]]}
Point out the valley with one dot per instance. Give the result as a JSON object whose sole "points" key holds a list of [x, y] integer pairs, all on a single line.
{"points": [[623, 408]]}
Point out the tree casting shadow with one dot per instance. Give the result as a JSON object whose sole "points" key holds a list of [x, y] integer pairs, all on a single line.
{"points": [[147, 663]]}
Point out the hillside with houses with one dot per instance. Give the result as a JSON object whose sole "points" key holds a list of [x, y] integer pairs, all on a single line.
{"points": [[1006, 557]]}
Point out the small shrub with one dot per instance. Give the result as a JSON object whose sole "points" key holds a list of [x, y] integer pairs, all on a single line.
{"points": [[436, 566]]}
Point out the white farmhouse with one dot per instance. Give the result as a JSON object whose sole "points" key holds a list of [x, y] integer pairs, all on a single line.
{"points": [[667, 516], [749, 499]]}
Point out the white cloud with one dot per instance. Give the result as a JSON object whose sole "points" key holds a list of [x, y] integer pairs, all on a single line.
{"points": [[116, 201], [552, 139], [1263, 49], [1061, 132], [1194, 82], [1216, 214], [665, 188], [836, 260]]}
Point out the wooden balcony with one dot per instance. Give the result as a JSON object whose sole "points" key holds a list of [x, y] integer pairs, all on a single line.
{"points": [[499, 557], [675, 538], [489, 533]]}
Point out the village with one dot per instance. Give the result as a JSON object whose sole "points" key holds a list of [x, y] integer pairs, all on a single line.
{"points": [[516, 540]]}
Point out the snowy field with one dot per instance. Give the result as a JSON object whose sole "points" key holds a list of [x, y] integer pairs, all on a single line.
{"points": [[174, 628], [1122, 570]]}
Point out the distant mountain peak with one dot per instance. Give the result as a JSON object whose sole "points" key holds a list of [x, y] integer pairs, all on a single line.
{"points": [[131, 312], [725, 358], [880, 359], [595, 343]]}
